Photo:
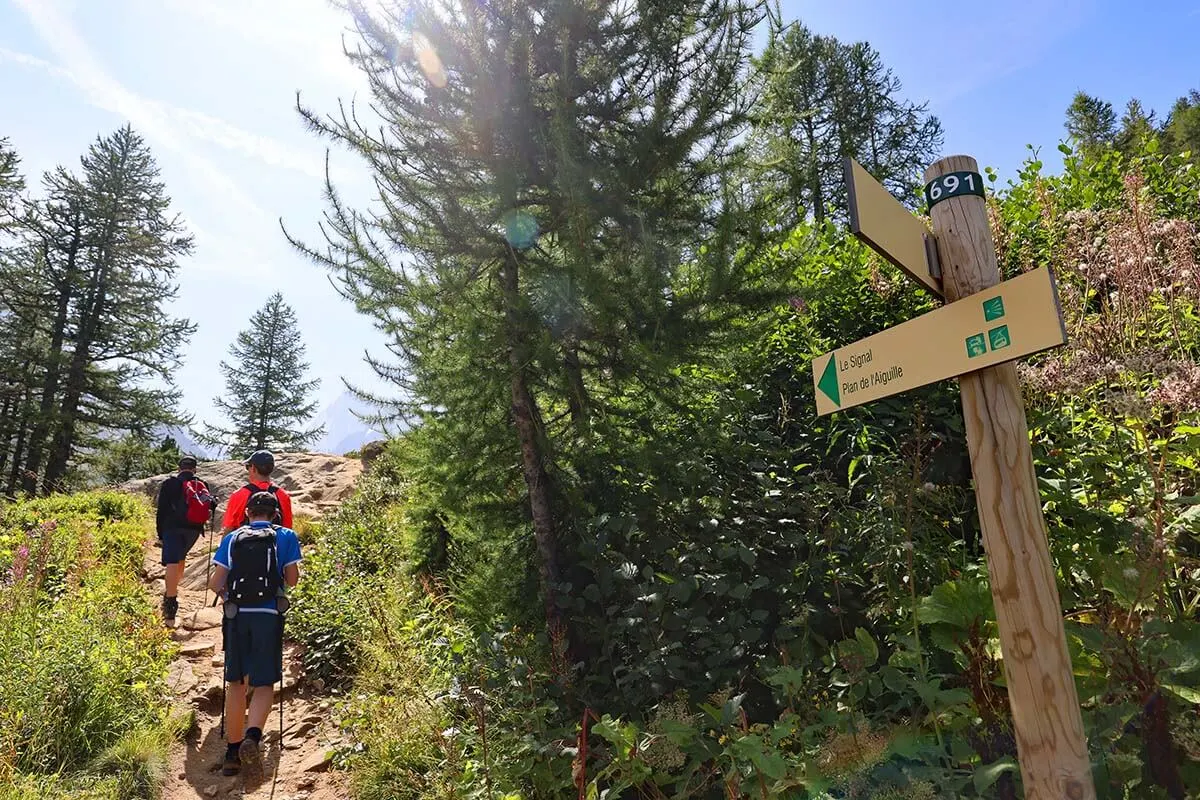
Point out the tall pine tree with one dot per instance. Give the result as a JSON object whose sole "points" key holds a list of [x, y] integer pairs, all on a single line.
{"points": [[825, 100], [266, 399], [1181, 130], [559, 226], [87, 285], [12, 183], [1137, 126], [1091, 122]]}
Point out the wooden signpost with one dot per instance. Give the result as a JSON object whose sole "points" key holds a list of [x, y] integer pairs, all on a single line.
{"points": [[983, 327]]}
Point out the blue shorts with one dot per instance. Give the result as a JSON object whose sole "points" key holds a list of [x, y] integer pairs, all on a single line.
{"points": [[176, 543], [253, 648]]}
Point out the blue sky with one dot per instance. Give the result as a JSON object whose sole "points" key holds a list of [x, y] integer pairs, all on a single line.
{"points": [[210, 84]]}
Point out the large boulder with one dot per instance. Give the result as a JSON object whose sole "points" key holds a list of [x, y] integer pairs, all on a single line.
{"points": [[317, 482]]}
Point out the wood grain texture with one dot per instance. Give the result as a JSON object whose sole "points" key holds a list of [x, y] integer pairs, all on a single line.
{"points": [[1051, 746]]}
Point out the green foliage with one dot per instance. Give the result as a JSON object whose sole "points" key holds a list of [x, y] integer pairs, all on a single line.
{"points": [[1091, 122], [83, 655], [87, 347], [619, 554], [266, 399], [352, 557], [1114, 421], [823, 100], [830, 570], [135, 455], [1181, 131]]}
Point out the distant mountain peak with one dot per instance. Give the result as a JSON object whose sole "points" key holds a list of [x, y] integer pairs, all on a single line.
{"points": [[344, 431]]}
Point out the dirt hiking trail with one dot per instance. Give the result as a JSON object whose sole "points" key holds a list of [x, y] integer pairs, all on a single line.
{"points": [[195, 676]]}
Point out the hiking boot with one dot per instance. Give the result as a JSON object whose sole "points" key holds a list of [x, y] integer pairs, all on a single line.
{"points": [[170, 607], [251, 758], [231, 765]]}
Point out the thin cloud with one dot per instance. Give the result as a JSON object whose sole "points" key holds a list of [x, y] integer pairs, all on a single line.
{"points": [[308, 27], [151, 119]]}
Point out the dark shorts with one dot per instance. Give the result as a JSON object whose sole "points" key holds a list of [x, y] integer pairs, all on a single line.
{"points": [[176, 543], [253, 648]]}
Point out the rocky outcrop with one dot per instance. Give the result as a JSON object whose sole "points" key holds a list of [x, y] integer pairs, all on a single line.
{"points": [[317, 482]]}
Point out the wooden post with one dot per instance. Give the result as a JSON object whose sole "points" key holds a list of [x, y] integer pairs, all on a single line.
{"points": [[1051, 746]]}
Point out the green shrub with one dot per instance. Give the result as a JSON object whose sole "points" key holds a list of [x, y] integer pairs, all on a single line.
{"points": [[83, 655], [117, 524]]}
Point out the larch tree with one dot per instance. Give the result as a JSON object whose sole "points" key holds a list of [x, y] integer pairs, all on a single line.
{"points": [[1137, 126], [12, 182], [87, 285], [1181, 129], [559, 222], [1091, 122], [267, 401], [824, 100]]}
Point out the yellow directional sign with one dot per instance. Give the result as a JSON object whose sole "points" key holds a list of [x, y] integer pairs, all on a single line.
{"points": [[889, 228], [1012, 320]]}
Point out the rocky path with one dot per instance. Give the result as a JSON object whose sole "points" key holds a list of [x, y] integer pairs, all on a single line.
{"points": [[195, 681]]}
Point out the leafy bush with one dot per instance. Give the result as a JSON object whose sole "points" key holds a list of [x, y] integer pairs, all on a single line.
{"points": [[770, 606], [350, 558], [83, 655]]}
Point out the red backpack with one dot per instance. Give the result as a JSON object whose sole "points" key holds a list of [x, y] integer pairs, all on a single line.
{"points": [[198, 502]]}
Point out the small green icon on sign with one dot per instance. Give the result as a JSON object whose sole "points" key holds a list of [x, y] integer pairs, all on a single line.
{"points": [[976, 346], [999, 337], [993, 309], [829, 382]]}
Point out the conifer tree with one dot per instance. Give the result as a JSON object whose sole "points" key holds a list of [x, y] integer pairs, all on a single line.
{"points": [[1137, 126], [12, 183], [1181, 130], [825, 100], [87, 285], [559, 224], [136, 455], [266, 401], [1091, 122]]}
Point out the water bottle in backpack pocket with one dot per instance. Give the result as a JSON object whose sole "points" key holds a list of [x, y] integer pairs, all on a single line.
{"points": [[255, 577]]}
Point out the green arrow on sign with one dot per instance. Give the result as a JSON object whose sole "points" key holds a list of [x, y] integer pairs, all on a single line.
{"points": [[829, 382]]}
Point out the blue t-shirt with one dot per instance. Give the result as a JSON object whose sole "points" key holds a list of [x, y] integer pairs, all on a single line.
{"points": [[287, 549]]}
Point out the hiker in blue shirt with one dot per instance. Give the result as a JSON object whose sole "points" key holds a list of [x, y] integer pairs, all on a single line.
{"points": [[252, 566]]}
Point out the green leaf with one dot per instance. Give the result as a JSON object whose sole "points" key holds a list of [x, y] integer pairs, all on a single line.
{"points": [[894, 679], [1185, 693], [987, 775], [959, 603], [869, 649]]}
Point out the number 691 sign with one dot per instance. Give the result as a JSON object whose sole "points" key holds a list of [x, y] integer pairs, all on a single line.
{"points": [[953, 184]]}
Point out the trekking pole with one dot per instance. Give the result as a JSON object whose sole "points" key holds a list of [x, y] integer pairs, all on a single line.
{"points": [[208, 561], [279, 758], [224, 649]]}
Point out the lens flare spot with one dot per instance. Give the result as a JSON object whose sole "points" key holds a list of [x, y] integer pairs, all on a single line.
{"points": [[428, 60], [520, 229]]}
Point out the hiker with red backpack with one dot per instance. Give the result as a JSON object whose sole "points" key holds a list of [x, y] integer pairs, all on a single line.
{"points": [[258, 479], [185, 505]]}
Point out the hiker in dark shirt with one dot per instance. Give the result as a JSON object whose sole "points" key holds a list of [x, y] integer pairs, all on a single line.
{"points": [[180, 520]]}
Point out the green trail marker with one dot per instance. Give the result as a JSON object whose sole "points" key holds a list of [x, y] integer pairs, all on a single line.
{"points": [[999, 338], [993, 309], [829, 382], [976, 346]]}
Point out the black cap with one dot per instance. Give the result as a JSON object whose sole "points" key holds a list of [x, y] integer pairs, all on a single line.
{"points": [[263, 502], [187, 462], [262, 461]]}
